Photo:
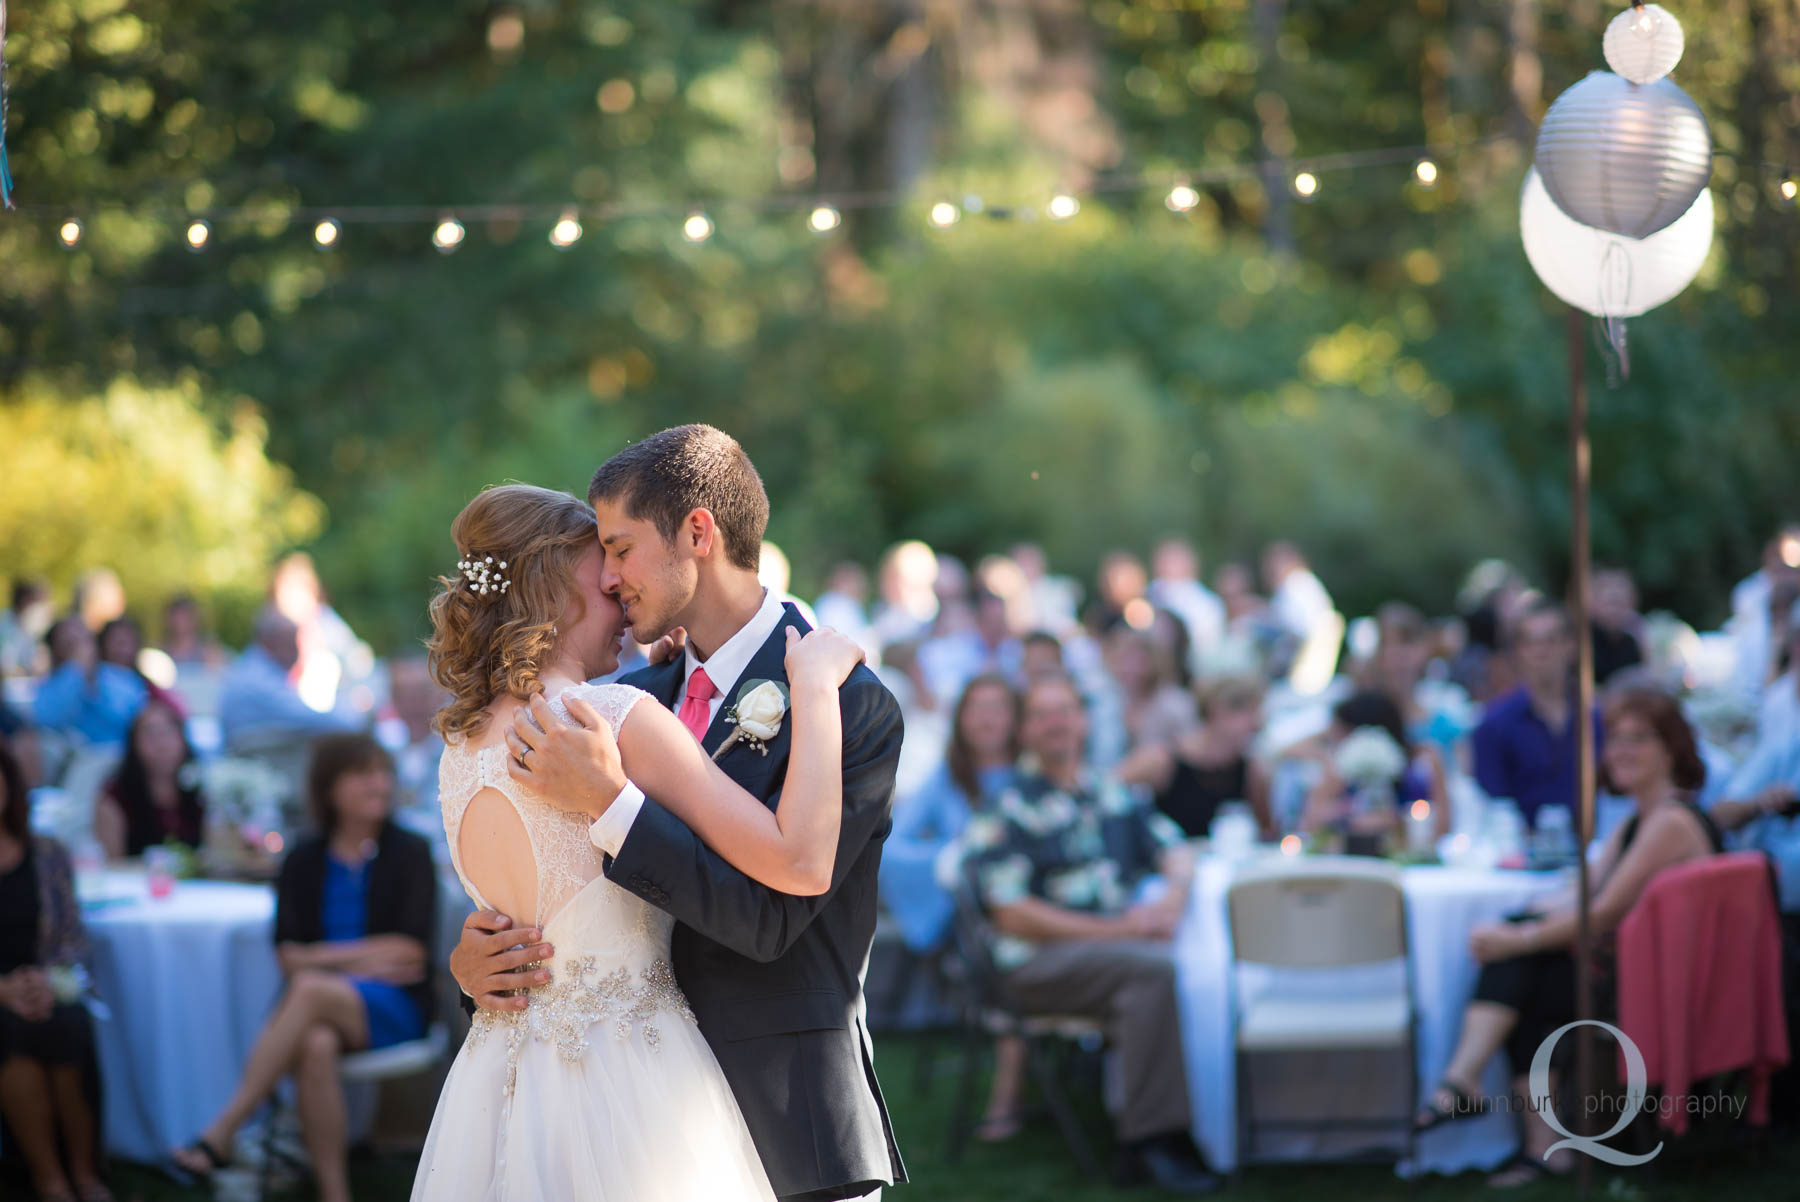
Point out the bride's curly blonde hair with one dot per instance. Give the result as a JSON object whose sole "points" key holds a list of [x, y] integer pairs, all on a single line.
{"points": [[491, 644]]}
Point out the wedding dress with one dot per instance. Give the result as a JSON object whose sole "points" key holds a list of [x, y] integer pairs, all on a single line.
{"points": [[603, 1090]]}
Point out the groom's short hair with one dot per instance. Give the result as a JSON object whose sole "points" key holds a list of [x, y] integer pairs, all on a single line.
{"points": [[676, 471]]}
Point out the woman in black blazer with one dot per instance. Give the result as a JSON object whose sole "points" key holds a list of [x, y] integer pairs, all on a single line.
{"points": [[354, 915]]}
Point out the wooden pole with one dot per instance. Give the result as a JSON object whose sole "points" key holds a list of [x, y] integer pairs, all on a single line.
{"points": [[1579, 559]]}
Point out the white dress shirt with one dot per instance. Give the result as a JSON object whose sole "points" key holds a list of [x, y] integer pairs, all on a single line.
{"points": [[725, 668]]}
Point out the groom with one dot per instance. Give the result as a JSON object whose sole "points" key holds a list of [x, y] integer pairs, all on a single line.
{"points": [[775, 981]]}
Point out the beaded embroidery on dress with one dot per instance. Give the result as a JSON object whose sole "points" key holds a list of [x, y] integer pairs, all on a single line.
{"points": [[603, 1088]]}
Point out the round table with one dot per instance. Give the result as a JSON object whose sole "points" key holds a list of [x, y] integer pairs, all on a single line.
{"points": [[1442, 906], [189, 980]]}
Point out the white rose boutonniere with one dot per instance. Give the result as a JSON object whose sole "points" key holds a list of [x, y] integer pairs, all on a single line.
{"points": [[757, 715]]}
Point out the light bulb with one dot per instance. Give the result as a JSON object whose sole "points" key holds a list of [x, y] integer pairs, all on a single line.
{"points": [[448, 235], [566, 232], [1426, 172], [1306, 185], [1789, 189], [198, 235], [1181, 198], [824, 219], [943, 213], [69, 232], [1062, 206], [697, 228], [327, 233]]}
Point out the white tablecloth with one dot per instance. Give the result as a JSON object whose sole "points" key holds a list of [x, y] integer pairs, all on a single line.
{"points": [[189, 980], [1443, 905]]}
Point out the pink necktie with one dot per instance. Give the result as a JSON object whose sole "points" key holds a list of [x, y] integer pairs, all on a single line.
{"points": [[694, 708]]}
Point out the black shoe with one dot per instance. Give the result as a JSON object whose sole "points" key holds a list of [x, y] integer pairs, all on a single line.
{"points": [[1171, 1164]]}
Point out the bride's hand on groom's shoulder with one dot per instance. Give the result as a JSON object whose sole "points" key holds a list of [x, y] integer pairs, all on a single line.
{"points": [[824, 657], [572, 767], [669, 646]]}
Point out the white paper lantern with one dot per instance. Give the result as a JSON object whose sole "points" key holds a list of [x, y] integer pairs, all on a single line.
{"points": [[1625, 158], [1644, 43], [1602, 273]]}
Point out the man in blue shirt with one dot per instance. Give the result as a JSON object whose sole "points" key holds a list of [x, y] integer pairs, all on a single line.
{"points": [[1758, 809], [1525, 748], [95, 700], [258, 702]]}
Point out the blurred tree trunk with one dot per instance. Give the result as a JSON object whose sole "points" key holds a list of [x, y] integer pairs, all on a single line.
{"points": [[1277, 141], [1525, 71]]}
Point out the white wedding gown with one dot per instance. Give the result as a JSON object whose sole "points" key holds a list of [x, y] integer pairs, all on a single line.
{"points": [[603, 1090]]}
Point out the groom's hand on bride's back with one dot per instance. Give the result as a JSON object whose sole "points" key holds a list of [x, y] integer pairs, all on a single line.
{"points": [[574, 768], [492, 961]]}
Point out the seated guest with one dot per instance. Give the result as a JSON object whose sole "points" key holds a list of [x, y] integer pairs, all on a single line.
{"points": [[153, 799], [1057, 860], [1618, 628], [1336, 803], [1153, 707], [1041, 654], [1209, 764], [416, 744], [1527, 985], [1778, 710], [1432, 709], [950, 661], [22, 628], [354, 912], [1525, 746], [122, 643], [259, 702], [18, 736], [186, 639], [46, 1042], [1759, 808], [84, 695], [977, 765]]}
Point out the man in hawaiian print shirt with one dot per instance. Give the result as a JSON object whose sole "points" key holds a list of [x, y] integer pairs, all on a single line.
{"points": [[1057, 861]]}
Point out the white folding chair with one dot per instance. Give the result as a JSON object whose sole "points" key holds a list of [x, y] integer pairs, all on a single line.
{"points": [[1330, 912], [408, 1059]]}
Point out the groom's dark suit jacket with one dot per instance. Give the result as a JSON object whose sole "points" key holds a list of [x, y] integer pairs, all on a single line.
{"points": [[775, 980]]}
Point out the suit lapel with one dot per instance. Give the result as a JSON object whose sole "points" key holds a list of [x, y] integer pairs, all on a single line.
{"points": [[661, 681], [769, 663]]}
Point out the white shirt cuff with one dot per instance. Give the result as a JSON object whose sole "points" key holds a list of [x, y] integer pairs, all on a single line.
{"points": [[610, 829]]}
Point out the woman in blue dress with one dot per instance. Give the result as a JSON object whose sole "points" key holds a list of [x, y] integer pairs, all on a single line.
{"points": [[356, 905]]}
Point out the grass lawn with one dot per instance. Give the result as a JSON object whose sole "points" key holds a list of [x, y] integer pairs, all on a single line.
{"points": [[1035, 1167]]}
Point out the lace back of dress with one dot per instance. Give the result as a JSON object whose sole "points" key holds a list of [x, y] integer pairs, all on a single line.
{"points": [[565, 861]]}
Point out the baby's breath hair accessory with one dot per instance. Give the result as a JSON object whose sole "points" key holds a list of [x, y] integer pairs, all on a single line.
{"points": [[484, 575]]}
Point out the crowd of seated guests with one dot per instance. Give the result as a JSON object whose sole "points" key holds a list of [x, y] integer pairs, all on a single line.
{"points": [[1481, 708], [1133, 720]]}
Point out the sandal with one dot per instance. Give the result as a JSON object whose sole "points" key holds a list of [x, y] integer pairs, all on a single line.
{"points": [[1463, 1105], [200, 1148], [1522, 1170]]}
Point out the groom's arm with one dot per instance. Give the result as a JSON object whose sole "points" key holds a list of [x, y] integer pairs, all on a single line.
{"points": [[667, 865]]}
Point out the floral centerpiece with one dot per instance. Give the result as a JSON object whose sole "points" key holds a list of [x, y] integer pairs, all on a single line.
{"points": [[1369, 763], [244, 799]]}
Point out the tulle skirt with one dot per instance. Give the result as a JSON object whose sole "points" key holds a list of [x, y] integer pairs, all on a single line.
{"points": [[631, 1120]]}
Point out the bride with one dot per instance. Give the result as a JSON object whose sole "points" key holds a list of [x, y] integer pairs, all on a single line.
{"points": [[602, 1089]]}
